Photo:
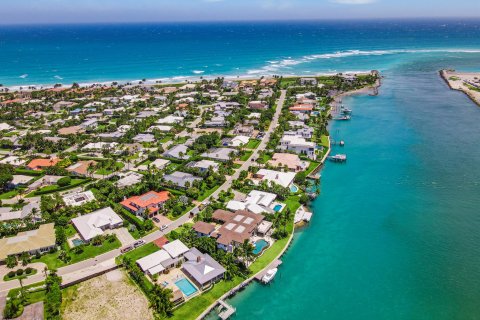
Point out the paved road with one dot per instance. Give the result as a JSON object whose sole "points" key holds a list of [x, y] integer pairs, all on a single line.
{"points": [[104, 261], [261, 146]]}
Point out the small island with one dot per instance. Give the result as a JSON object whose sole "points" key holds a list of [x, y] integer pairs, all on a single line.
{"points": [[467, 82]]}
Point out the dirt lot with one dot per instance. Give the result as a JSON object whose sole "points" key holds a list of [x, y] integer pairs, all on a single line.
{"points": [[108, 297]]}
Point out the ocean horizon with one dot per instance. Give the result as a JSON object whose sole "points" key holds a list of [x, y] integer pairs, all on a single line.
{"points": [[44, 55]]}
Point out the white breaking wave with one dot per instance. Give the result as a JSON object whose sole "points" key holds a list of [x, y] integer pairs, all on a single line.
{"points": [[23, 76], [274, 66], [58, 77], [198, 71]]}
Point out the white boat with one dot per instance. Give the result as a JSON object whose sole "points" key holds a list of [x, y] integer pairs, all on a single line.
{"points": [[269, 275]]}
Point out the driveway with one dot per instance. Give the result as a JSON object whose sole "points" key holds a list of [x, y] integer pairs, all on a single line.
{"points": [[163, 221], [123, 235]]}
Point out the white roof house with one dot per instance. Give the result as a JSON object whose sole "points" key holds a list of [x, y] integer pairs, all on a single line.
{"points": [[153, 260], [256, 202], [158, 163], [170, 120], [129, 179], [13, 160], [175, 248], [100, 145], [284, 179], [93, 224], [78, 198], [5, 126], [239, 141]]}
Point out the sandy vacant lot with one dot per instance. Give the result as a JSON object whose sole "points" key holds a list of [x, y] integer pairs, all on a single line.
{"points": [[108, 297]]}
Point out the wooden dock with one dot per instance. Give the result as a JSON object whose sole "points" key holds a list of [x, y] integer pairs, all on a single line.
{"points": [[272, 265], [227, 310]]}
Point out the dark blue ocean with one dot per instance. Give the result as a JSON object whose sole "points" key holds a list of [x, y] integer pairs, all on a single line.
{"points": [[99, 53], [396, 231]]}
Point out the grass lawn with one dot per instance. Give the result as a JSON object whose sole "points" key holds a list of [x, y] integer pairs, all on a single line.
{"points": [[9, 194], [269, 255], [311, 167], [142, 251], [324, 141], [293, 203], [32, 296], [207, 193], [23, 276], [54, 188], [90, 251], [246, 155], [252, 144], [104, 171], [195, 306]]}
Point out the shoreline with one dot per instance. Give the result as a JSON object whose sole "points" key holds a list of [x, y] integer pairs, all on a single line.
{"points": [[169, 81], [455, 81], [232, 292]]}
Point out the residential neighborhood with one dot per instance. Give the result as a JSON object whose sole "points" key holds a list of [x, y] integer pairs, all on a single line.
{"points": [[185, 187]]}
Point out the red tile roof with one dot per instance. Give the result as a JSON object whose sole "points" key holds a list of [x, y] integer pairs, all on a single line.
{"points": [[37, 164], [160, 242], [145, 200]]}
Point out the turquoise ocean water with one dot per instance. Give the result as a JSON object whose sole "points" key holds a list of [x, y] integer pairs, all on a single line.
{"points": [[395, 231]]}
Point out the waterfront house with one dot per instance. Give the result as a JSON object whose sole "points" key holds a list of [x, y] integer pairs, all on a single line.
{"points": [[236, 227], [202, 268], [40, 240], [288, 160], [308, 81], [298, 145], [284, 179], [146, 204], [94, 224], [256, 202]]}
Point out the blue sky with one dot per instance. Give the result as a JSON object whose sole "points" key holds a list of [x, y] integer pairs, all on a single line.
{"points": [[61, 11]]}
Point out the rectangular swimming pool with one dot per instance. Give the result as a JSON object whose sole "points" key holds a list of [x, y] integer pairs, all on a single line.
{"points": [[186, 286]]}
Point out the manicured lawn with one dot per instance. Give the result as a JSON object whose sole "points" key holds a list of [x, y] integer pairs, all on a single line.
{"points": [[24, 275], [90, 251], [252, 144], [195, 306], [324, 141], [104, 171], [264, 158], [207, 193], [9, 194], [142, 251], [293, 203], [311, 167], [246, 155], [269, 255], [54, 188]]}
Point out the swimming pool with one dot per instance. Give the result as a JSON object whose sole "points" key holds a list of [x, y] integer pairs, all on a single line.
{"points": [[77, 242], [278, 208], [293, 188], [186, 286], [259, 246]]}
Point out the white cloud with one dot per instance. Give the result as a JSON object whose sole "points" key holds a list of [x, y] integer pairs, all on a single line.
{"points": [[353, 1]]}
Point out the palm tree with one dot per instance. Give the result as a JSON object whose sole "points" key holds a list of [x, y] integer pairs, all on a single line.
{"points": [[160, 300], [246, 250]]}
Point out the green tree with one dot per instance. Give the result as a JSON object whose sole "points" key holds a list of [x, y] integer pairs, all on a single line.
{"points": [[11, 262]]}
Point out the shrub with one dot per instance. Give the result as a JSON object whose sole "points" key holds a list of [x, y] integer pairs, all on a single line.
{"points": [[28, 270], [65, 181], [11, 274], [19, 272]]}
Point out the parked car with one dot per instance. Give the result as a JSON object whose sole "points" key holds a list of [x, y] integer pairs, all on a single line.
{"points": [[138, 243], [163, 227], [155, 219], [126, 249]]}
